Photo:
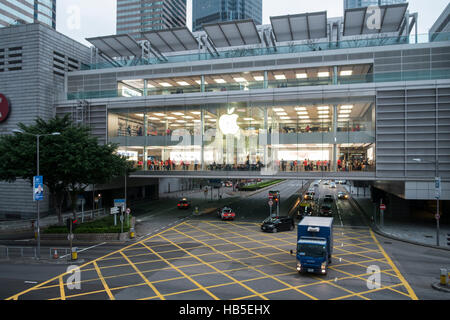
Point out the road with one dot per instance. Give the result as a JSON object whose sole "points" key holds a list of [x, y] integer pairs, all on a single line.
{"points": [[178, 256]]}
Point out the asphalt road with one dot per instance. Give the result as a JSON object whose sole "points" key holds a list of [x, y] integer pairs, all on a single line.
{"points": [[178, 256]]}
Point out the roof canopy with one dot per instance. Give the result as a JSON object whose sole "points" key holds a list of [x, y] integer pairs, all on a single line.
{"points": [[359, 21], [117, 46], [172, 40], [300, 26], [232, 33]]}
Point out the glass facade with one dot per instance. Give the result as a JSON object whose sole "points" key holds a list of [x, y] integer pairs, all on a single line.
{"points": [[210, 11], [265, 136], [28, 11], [351, 4], [137, 16]]}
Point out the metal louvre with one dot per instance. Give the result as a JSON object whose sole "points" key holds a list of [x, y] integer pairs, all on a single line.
{"points": [[232, 33], [172, 40], [358, 21], [117, 46], [300, 26]]}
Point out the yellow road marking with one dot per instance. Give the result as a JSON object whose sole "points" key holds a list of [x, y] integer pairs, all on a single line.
{"points": [[143, 277], [225, 274], [61, 288], [400, 276], [184, 274], [261, 256], [105, 285], [15, 297]]}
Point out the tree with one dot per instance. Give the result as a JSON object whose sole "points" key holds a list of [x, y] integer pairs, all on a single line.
{"points": [[69, 162]]}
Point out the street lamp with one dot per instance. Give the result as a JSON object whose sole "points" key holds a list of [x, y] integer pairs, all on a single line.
{"points": [[436, 163], [18, 131]]}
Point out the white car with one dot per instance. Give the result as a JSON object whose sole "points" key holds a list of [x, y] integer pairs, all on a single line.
{"points": [[333, 185]]}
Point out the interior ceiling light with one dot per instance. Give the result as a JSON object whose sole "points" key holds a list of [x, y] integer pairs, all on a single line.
{"points": [[344, 111], [196, 112], [159, 114], [258, 78], [280, 77], [301, 75], [323, 112], [346, 73], [188, 117], [285, 118], [323, 74], [240, 79], [165, 84], [323, 108], [199, 82], [300, 113], [300, 108], [323, 116], [249, 119], [152, 118], [303, 117], [183, 83], [347, 107], [178, 113], [220, 81], [170, 118], [344, 116], [278, 109], [282, 114], [181, 121]]}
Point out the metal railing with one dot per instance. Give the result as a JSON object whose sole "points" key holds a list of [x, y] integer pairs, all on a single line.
{"points": [[11, 252]]}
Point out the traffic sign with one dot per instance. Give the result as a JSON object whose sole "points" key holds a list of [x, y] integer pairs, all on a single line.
{"points": [[270, 203], [119, 203], [382, 207], [437, 188], [115, 210]]}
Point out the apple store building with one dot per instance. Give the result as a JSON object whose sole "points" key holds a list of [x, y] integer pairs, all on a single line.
{"points": [[303, 94]]}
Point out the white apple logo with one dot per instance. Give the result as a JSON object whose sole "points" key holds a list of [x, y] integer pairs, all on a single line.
{"points": [[228, 123]]}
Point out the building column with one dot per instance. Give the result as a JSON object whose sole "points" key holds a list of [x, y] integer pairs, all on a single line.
{"points": [[334, 126], [202, 84], [202, 132], [145, 88], [335, 75], [266, 79]]}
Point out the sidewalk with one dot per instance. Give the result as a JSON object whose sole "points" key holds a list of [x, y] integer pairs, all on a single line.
{"points": [[418, 232], [26, 225]]}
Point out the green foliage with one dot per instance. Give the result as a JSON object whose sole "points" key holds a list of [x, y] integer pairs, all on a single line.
{"points": [[69, 162], [260, 185], [104, 225]]}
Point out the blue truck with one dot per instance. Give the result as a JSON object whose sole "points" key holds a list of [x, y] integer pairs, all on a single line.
{"points": [[314, 244]]}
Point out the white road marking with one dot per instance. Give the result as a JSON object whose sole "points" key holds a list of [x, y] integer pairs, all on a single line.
{"points": [[31, 282], [85, 249]]}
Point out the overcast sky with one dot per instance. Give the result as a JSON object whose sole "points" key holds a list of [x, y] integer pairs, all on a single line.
{"points": [[80, 19]]}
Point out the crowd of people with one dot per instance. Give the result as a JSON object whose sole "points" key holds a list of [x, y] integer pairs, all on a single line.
{"points": [[305, 165]]}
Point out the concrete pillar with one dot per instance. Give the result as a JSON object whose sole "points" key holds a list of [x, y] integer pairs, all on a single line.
{"points": [[145, 87], [266, 80], [202, 84], [334, 126]]}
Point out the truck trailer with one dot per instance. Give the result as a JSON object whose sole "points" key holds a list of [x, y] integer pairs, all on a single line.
{"points": [[314, 244]]}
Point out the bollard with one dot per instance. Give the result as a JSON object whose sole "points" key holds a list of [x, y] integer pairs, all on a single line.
{"points": [[74, 254], [132, 234], [444, 276]]}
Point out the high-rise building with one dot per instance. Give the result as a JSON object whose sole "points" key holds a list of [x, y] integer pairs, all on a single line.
{"points": [[14, 12], [210, 11], [135, 17], [351, 4]]}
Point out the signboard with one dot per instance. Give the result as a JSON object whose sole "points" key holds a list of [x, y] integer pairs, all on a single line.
{"points": [[437, 188], [114, 210], [38, 193], [382, 207], [270, 203], [4, 108], [119, 203]]}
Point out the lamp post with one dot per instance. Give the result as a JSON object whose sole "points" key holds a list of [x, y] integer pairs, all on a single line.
{"points": [[37, 136], [436, 163]]}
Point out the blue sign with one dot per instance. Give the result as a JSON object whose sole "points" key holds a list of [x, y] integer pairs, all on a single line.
{"points": [[38, 194]]}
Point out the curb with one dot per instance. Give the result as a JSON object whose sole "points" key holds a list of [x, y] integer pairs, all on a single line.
{"points": [[439, 287], [377, 230]]}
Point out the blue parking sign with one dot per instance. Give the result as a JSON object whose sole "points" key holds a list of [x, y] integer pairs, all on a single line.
{"points": [[38, 193]]}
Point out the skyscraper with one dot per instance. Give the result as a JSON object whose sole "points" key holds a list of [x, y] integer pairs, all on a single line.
{"points": [[134, 17], [29, 11], [210, 11], [351, 4]]}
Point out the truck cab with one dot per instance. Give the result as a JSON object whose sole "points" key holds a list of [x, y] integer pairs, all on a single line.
{"points": [[314, 245]]}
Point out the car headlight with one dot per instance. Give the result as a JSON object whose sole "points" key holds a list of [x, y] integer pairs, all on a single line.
{"points": [[299, 266]]}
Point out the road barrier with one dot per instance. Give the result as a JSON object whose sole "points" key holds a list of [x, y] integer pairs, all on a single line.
{"points": [[29, 252]]}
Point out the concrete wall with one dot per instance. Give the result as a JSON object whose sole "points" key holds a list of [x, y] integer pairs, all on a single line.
{"points": [[32, 91]]}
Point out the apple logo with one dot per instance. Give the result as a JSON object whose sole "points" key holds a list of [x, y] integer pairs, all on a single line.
{"points": [[228, 123]]}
